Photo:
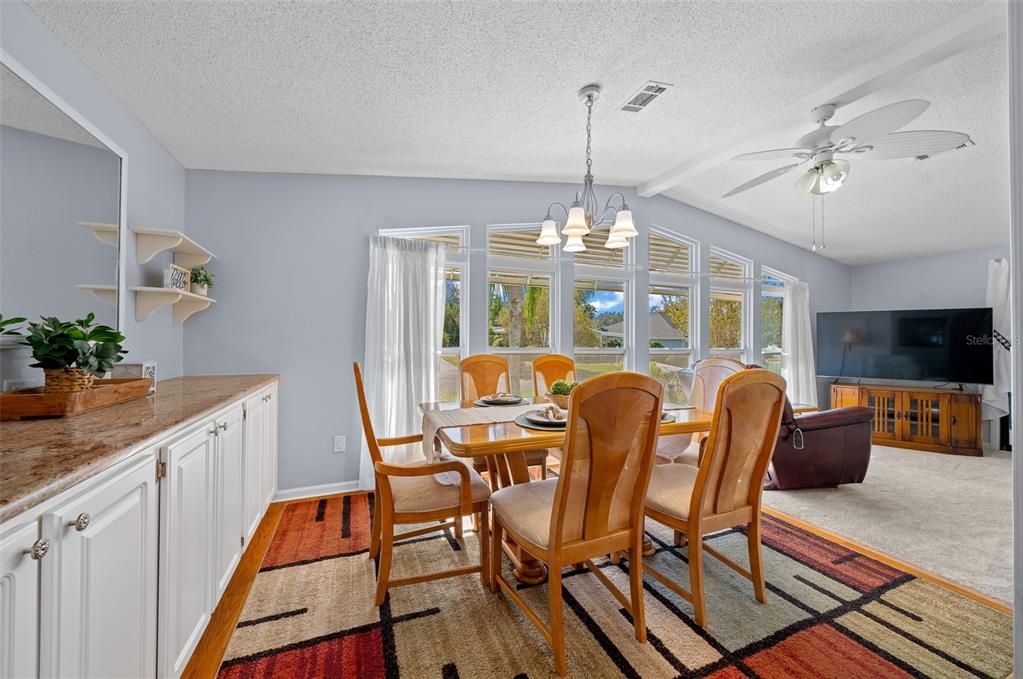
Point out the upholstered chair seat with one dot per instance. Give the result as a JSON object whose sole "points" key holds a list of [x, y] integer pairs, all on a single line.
{"points": [[671, 489], [526, 509], [427, 494]]}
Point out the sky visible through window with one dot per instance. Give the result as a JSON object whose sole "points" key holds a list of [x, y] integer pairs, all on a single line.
{"points": [[611, 302]]}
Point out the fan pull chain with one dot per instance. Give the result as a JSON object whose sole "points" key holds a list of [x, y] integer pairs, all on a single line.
{"points": [[813, 223], [822, 223]]}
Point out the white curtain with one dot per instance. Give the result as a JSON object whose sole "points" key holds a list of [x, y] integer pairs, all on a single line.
{"points": [[995, 397], [404, 321], [797, 364]]}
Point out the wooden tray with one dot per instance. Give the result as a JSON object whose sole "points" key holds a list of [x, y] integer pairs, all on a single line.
{"points": [[32, 403]]}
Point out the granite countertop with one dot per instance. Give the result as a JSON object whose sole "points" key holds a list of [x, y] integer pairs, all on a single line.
{"points": [[42, 458]]}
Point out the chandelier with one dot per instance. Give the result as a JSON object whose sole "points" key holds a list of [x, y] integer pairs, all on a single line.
{"points": [[582, 217]]}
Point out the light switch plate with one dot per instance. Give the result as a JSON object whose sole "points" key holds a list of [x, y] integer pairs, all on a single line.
{"points": [[339, 444]]}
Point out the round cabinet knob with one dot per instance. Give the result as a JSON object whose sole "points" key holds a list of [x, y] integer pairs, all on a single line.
{"points": [[39, 549], [81, 523]]}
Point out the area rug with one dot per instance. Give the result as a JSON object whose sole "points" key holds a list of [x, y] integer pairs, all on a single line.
{"points": [[831, 612]]}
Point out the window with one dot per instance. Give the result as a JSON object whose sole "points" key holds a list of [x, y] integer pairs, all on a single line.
{"points": [[669, 256], [520, 282], [599, 322], [453, 339], [727, 319], [772, 305], [670, 344]]}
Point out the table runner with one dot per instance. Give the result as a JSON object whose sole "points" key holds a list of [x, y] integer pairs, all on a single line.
{"points": [[438, 419]]}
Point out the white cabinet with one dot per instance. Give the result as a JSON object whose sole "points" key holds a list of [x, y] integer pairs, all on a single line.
{"points": [[229, 536], [186, 545], [129, 565], [19, 601], [260, 483], [99, 583], [254, 464]]}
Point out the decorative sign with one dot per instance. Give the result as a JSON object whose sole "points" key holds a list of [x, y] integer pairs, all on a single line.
{"points": [[128, 370], [176, 277]]}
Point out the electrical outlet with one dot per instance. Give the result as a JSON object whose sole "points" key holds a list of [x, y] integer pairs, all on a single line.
{"points": [[339, 444]]}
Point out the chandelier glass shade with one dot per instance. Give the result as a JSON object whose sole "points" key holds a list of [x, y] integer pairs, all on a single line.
{"points": [[584, 215]]}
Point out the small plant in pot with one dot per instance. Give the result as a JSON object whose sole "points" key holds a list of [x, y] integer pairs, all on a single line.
{"points": [[202, 280], [73, 353], [559, 393]]}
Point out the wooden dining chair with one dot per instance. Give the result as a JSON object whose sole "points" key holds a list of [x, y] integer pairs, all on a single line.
{"points": [[550, 368], [409, 493], [725, 490], [595, 506], [708, 374], [484, 374]]}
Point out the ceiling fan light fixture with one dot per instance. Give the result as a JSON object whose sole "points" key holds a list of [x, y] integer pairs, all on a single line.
{"points": [[549, 233]]}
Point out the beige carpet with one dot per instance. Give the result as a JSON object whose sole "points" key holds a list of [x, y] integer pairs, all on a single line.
{"points": [[947, 514]]}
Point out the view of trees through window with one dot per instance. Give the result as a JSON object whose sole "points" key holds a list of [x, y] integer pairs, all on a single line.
{"points": [[725, 321], [519, 310], [771, 307], [668, 317], [598, 323]]}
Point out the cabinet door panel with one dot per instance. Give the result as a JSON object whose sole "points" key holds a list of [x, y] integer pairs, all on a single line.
{"points": [[844, 396], [19, 604], [105, 571], [887, 409], [964, 422], [228, 498], [270, 449], [923, 417], [253, 463], [187, 519]]}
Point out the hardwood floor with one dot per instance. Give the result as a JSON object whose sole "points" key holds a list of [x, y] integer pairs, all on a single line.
{"points": [[205, 660]]}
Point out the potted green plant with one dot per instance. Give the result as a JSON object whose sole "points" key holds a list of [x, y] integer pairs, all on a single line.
{"points": [[7, 323], [73, 353], [559, 393], [202, 280]]}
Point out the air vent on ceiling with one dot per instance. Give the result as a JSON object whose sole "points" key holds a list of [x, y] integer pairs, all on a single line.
{"points": [[645, 96]]}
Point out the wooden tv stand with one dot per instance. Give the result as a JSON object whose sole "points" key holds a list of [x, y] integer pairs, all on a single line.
{"points": [[936, 420]]}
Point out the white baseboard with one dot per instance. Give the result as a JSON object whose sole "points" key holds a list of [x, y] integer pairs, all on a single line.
{"points": [[315, 491]]}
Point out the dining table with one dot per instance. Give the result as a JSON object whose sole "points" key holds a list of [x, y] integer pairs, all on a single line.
{"points": [[502, 447]]}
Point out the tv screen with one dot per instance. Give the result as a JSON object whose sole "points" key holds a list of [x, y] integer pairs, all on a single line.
{"points": [[933, 345]]}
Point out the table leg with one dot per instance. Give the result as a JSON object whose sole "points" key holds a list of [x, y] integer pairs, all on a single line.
{"points": [[511, 469]]}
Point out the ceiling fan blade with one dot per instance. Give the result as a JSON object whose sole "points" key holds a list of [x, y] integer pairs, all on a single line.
{"points": [[877, 123], [915, 144], [775, 154], [756, 181]]}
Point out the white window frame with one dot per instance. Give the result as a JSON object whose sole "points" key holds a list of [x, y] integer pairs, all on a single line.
{"points": [[456, 258], [542, 267], [616, 275], [744, 286], [690, 281], [771, 291]]}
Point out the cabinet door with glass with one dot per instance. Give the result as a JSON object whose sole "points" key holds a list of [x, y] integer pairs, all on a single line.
{"points": [[886, 407], [923, 419]]}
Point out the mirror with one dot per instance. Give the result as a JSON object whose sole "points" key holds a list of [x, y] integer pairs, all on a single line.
{"points": [[60, 192]]}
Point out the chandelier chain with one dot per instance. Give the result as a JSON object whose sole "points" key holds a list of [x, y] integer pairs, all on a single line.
{"points": [[589, 134]]}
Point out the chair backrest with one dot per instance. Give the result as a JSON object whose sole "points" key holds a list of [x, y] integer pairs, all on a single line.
{"points": [[550, 368], [613, 421], [707, 377], [482, 375], [367, 423], [742, 438]]}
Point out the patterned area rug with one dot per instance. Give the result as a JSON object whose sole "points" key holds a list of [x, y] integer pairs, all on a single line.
{"points": [[831, 612]]}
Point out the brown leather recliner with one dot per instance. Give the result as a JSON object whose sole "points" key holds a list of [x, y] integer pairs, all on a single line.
{"points": [[821, 450]]}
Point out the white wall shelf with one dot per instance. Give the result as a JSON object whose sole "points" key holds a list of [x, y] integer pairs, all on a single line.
{"points": [[148, 300], [104, 233], [104, 293], [151, 242]]}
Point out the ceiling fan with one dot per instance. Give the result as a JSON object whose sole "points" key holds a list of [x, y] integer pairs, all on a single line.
{"points": [[871, 136]]}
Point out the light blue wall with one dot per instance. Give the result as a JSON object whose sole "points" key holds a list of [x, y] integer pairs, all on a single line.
{"points": [[155, 189], [954, 280], [291, 281]]}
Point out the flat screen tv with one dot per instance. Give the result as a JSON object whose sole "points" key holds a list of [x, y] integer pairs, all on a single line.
{"points": [[933, 345]]}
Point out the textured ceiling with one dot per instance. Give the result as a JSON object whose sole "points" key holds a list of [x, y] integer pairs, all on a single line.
{"points": [[24, 108], [891, 209], [487, 90]]}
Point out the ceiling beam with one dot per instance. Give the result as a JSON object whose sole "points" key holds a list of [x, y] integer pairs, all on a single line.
{"points": [[976, 26]]}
